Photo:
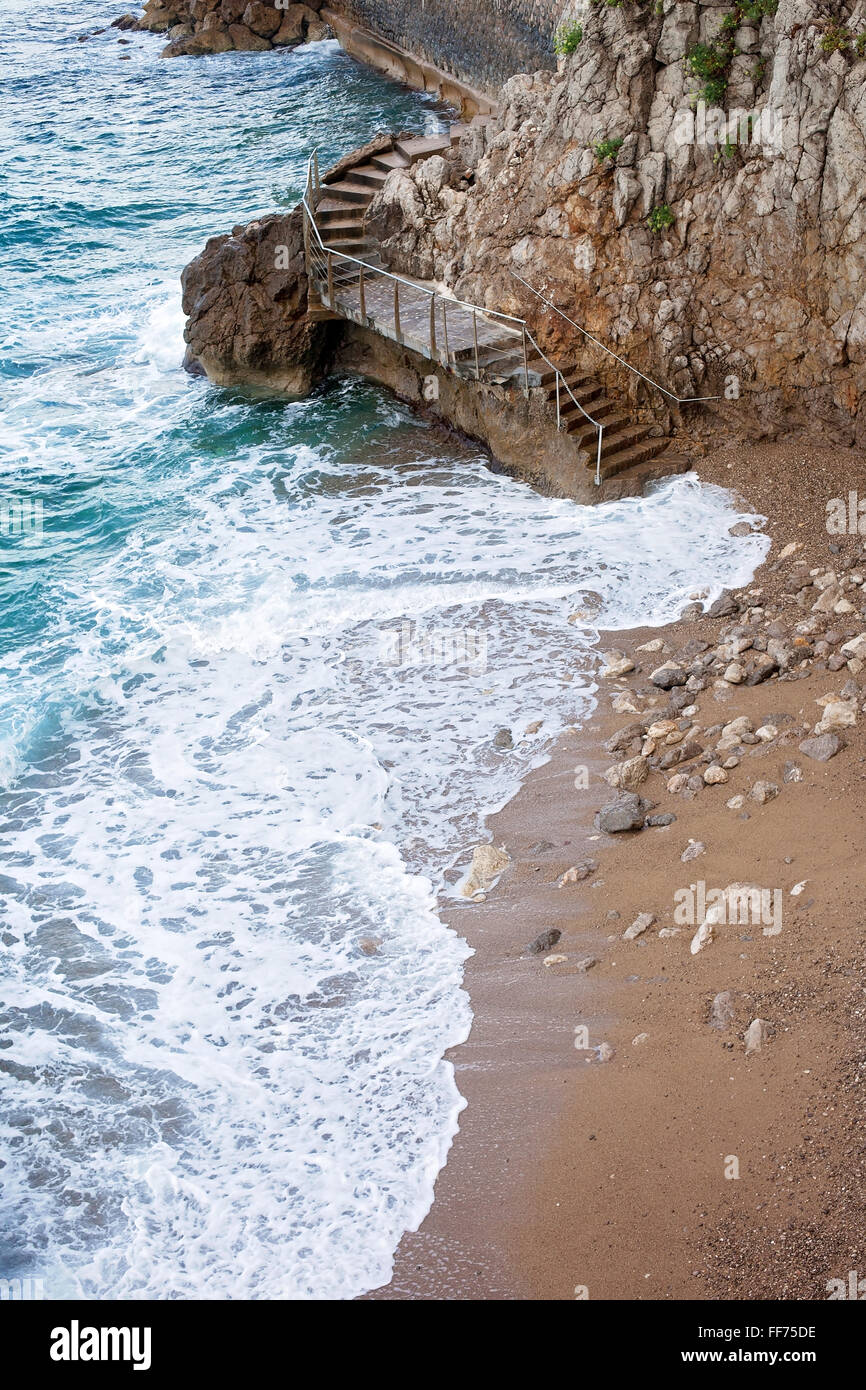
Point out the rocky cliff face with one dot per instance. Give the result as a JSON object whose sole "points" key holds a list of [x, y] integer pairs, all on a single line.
{"points": [[247, 319], [217, 26], [718, 260]]}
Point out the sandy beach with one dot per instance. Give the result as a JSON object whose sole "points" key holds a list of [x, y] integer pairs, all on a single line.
{"points": [[669, 1164]]}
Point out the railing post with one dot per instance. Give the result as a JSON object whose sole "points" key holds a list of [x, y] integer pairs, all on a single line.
{"points": [[307, 265], [330, 280], [475, 337], [558, 413], [397, 332], [598, 458], [525, 363], [362, 295], [445, 330], [433, 328], [317, 181]]}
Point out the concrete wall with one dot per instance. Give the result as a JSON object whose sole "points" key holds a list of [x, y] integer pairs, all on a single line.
{"points": [[483, 42]]}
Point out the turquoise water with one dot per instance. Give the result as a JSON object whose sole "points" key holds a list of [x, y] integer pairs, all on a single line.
{"points": [[226, 810]]}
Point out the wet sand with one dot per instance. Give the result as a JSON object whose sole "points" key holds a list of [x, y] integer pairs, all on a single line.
{"points": [[574, 1177]]}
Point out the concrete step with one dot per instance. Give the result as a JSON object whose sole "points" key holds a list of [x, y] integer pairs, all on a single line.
{"points": [[576, 381], [631, 457], [337, 210], [368, 174], [350, 192], [422, 146], [619, 430], [390, 159], [351, 245]]}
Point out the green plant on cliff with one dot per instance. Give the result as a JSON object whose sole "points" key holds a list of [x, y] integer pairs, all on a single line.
{"points": [[660, 219], [607, 149], [835, 39], [567, 39], [712, 61]]}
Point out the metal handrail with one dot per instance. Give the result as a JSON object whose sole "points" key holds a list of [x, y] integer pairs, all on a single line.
{"points": [[680, 400], [326, 260]]}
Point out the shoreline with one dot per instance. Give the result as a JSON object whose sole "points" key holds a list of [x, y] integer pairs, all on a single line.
{"points": [[610, 1177]]}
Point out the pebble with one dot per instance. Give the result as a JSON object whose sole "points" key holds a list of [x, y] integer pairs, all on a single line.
{"points": [[715, 775], [544, 941], [762, 792], [638, 926], [692, 850]]}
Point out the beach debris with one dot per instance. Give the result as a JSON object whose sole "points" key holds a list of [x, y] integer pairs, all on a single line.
{"points": [[503, 739], [545, 941], [578, 872], [487, 864], [604, 1052], [792, 772], [534, 727], [641, 1038], [798, 888], [755, 1036], [626, 812], [640, 924], [736, 803], [554, 960], [369, 945], [693, 849], [587, 963]]}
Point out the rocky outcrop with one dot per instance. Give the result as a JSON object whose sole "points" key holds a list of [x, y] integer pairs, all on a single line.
{"points": [[196, 27], [720, 261], [245, 297]]}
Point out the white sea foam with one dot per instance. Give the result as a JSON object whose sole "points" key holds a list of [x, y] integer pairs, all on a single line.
{"points": [[248, 1104]]}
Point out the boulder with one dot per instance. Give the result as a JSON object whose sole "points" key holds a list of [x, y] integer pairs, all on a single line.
{"points": [[245, 296], [821, 748], [626, 812], [261, 19], [246, 41]]}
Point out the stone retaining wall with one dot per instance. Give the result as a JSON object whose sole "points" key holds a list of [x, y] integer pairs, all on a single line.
{"points": [[483, 42]]}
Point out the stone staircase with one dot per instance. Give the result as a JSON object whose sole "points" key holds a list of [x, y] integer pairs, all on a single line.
{"points": [[475, 346]]}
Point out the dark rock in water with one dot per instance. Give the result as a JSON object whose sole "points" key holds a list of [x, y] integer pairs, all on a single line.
{"points": [[724, 605], [822, 748], [545, 941], [664, 818], [503, 739], [625, 812], [125, 21], [246, 300]]}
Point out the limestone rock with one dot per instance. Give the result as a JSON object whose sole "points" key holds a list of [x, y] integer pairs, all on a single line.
{"points": [[487, 864]]}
